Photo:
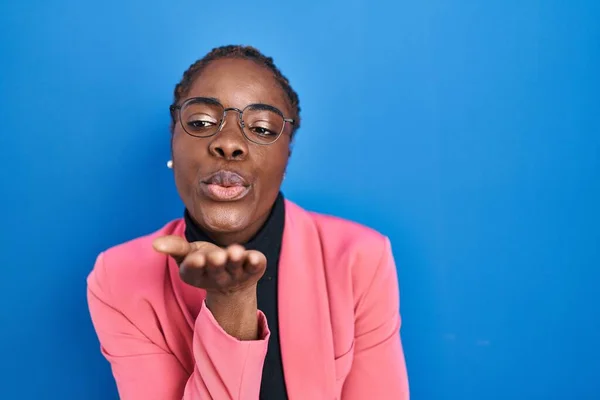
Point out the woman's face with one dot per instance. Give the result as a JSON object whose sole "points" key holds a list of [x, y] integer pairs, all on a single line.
{"points": [[228, 183]]}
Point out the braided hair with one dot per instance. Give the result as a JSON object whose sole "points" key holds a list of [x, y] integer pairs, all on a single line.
{"points": [[243, 52]]}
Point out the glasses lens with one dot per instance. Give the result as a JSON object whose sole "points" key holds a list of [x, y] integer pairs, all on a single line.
{"points": [[262, 124], [201, 117]]}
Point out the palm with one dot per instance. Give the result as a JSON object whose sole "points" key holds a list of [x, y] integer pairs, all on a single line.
{"points": [[207, 266]]}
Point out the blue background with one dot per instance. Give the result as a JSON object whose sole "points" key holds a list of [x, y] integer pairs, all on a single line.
{"points": [[467, 131]]}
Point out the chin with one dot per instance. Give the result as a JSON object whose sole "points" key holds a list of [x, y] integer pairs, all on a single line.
{"points": [[223, 218]]}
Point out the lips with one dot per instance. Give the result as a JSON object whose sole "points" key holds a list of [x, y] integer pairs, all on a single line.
{"points": [[226, 179], [225, 186]]}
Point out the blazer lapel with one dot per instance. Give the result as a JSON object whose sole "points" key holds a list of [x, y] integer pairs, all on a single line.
{"points": [[304, 320]]}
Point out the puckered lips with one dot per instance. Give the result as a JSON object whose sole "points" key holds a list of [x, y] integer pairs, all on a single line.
{"points": [[225, 185]]}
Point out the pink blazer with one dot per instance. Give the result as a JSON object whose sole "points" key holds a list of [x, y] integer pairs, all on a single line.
{"points": [[339, 320]]}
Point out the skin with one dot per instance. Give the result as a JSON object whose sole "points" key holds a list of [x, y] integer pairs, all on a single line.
{"points": [[229, 274]]}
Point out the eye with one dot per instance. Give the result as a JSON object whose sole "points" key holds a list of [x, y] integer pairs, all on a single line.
{"points": [[260, 131], [198, 122]]}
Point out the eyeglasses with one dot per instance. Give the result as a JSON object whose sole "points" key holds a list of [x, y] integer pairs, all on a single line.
{"points": [[204, 117]]}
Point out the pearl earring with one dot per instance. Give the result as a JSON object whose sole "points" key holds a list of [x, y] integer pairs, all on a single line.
{"points": [[170, 164]]}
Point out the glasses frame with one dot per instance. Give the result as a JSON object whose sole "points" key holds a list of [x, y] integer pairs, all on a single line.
{"points": [[176, 114]]}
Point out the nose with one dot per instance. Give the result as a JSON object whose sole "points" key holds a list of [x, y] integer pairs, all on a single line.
{"points": [[229, 143]]}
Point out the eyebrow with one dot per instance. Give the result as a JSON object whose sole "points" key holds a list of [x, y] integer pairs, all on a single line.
{"points": [[211, 100], [256, 106], [264, 107]]}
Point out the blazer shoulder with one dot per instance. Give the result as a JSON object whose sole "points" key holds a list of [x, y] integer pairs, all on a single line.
{"points": [[133, 265], [354, 254], [347, 246], [347, 235]]}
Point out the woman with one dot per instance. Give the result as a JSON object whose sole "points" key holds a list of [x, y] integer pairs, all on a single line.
{"points": [[247, 296]]}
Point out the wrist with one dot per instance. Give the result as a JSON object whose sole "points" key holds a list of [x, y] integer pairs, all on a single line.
{"points": [[235, 312], [242, 299]]}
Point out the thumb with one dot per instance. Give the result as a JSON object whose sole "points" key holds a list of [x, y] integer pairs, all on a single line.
{"points": [[175, 246]]}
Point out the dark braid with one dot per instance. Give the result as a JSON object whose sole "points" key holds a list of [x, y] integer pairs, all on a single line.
{"points": [[244, 52]]}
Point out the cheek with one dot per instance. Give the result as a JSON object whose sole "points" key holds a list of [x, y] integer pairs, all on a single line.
{"points": [[187, 152], [273, 162], [180, 146], [185, 165]]}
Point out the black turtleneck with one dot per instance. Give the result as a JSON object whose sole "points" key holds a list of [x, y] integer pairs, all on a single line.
{"points": [[267, 241]]}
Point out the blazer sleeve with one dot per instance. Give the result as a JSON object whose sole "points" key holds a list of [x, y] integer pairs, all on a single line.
{"points": [[378, 370], [225, 367]]}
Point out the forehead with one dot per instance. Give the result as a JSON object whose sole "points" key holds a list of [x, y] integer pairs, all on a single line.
{"points": [[239, 82]]}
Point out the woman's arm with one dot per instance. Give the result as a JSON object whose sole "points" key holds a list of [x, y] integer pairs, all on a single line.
{"points": [[378, 370], [225, 367]]}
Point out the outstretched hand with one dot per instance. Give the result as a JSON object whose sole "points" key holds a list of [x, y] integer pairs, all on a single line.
{"points": [[207, 266]]}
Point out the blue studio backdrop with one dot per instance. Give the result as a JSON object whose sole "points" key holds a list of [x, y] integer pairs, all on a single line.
{"points": [[466, 131]]}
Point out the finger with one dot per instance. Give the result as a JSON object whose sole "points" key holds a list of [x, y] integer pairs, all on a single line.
{"points": [[215, 267], [193, 268], [235, 261], [175, 246], [255, 261], [216, 258], [196, 259]]}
